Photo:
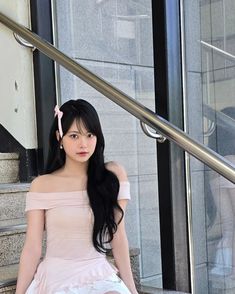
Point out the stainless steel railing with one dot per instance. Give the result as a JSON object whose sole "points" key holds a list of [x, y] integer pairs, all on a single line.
{"points": [[171, 132], [218, 50]]}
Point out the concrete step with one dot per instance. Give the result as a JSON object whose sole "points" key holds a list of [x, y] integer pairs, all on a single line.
{"points": [[9, 167], [8, 290], [12, 200], [8, 276], [12, 232], [12, 236]]}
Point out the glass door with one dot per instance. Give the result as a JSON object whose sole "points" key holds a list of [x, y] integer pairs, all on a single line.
{"points": [[209, 35]]}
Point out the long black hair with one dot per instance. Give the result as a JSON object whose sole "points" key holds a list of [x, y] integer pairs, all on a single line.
{"points": [[102, 184]]}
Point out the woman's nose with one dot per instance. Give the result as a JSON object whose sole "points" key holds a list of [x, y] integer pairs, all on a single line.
{"points": [[82, 141]]}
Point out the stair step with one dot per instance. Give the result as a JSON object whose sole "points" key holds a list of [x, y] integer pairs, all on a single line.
{"points": [[12, 226], [12, 236], [8, 275], [12, 200], [9, 167], [14, 187]]}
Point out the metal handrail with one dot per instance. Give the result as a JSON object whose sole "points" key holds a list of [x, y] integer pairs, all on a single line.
{"points": [[198, 150], [23, 42], [218, 50], [149, 133]]}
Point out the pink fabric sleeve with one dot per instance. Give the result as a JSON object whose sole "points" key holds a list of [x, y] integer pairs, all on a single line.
{"points": [[36, 201], [124, 191]]}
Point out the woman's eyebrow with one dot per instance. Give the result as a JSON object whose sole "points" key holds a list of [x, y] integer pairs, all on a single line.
{"points": [[74, 132], [78, 132]]}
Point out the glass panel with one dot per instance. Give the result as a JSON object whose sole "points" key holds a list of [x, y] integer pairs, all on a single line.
{"points": [[114, 40], [210, 77]]}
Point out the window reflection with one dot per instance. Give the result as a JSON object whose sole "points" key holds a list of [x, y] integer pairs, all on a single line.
{"points": [[222, 211]]}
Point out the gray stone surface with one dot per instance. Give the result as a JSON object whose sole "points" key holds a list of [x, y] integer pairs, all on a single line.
{"points": [[8, 290], [12, 205], [12, 240], [10, 224], [8, 272], [12, 216], [14, 187], [9, 167], [116, 31], [5, 156], [11, 246]]}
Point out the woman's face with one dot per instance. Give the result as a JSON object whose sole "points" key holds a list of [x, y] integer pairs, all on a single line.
{"points": [[78, 143]]}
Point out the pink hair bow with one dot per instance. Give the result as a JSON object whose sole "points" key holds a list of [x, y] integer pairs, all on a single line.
{"points": [[59, 114]]}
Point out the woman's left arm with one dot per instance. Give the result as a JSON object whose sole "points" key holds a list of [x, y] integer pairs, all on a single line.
{"points": [[119, 244], [120, 250]]}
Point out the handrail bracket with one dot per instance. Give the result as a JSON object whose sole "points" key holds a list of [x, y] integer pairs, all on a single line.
{"points": [[145, 128]]}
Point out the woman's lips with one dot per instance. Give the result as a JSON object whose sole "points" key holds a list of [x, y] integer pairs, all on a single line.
{"points": [[82, 153]]}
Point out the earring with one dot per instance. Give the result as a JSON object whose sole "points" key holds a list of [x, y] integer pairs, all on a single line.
{"points": [[61, 146]]}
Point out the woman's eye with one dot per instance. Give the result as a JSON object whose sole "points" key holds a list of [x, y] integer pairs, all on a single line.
{"points": [[90, 135], [73, 136]]}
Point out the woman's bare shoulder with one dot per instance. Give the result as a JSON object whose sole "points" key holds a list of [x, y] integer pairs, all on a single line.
{"points": [[40, 183], [117, 169]]}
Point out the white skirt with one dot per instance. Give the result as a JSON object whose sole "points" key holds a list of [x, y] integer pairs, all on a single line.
{"points": [[113, 283]]}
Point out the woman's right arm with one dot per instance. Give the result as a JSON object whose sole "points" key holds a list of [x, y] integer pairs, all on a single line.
{"points": [[32, 250], [31, 253]]}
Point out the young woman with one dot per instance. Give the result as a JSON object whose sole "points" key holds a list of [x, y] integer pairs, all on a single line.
{"points": [[81, 202]]}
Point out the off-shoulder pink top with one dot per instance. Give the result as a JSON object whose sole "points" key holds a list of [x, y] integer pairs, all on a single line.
{"points": [[70, 259]]}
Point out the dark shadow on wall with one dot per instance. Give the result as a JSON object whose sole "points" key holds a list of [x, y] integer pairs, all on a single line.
{"points": [[28, 157]]}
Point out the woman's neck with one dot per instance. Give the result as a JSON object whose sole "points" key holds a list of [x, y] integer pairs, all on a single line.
{"points": [[74, 169]]}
